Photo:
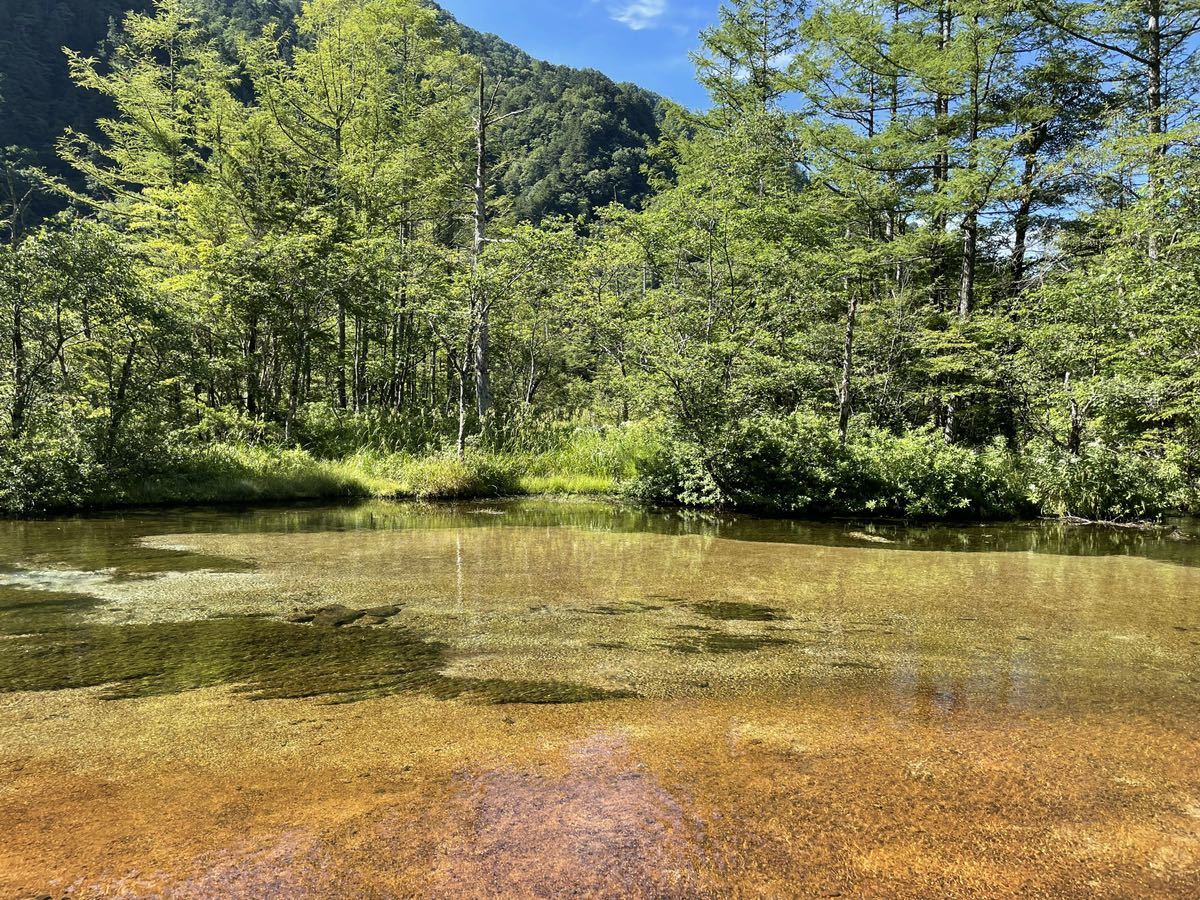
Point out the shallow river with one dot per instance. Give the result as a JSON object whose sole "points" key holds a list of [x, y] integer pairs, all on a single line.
{"points": [[548, 699]]}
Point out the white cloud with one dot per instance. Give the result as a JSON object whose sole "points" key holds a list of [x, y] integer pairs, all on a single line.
{"points": [[638, 14]]}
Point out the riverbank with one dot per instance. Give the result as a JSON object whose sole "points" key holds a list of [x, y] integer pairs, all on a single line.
{"points": [[795, 468], [234, 475], [231, 473]]}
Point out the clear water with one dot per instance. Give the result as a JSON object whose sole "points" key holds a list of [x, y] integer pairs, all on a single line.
{"points": [[741, 697]]}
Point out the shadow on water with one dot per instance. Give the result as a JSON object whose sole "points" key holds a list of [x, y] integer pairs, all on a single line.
{"points": [[730, 611], [720, 642], [264, 658]]}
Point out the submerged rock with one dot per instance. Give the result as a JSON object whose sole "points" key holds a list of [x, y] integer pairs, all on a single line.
{"points": [[337, 616]]}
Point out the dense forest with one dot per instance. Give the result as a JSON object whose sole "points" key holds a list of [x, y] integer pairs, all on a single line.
{"points": [[922, 261]]}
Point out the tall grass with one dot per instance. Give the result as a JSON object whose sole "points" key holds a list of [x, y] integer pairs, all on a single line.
{"points": [[441, 476], [584, 461], [227, 473], [580, 461]]}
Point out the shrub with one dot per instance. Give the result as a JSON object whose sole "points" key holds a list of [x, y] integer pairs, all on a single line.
{"points": [[918, 475], [796, 464], [41, 473], [676, 474], [787, 464], [1107, 485]]}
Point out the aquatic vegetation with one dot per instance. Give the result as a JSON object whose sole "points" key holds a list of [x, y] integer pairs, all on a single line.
{"points": [[27, 612], [623, 609], [725, 642], [581, 600], [337, 615], [732, 694], [263, 658], [730, 611]]}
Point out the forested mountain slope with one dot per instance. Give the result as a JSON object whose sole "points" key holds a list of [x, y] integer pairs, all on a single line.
{"points": [[581, 142], [39, 99]]}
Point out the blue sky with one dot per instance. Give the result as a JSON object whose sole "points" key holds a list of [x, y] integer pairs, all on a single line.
{"points": [[643, 41]]}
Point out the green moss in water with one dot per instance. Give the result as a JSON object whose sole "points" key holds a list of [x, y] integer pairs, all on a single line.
{"points": [[267, 659], [499, 691], [29, 612], [719, 642], [727, 611], [623, 609]]}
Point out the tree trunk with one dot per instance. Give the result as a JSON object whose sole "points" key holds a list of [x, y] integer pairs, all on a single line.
{"points": [[1078, 418], [362, 353], [844, 393], [433, 378], [20, 389], [462, 412], [1154, 71], [966, 287], [941, 166], [483, 381], [293, 400], [970, 227], [1075, 435], [252, 367], [342, 397], [120, 400], [1021, 221]]}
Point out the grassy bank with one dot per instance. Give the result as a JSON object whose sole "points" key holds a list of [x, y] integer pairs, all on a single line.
{"points": [[792, 466], [228, 474], [589, 462]]}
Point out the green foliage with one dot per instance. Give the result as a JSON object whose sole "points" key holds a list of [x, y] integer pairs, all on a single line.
{"points": [[613, 453], [919, 261], [792, 463], [450, 478], [1107, 484], [41, 473], [331, 433], [797, 465], [581, 144], [919, 475]]}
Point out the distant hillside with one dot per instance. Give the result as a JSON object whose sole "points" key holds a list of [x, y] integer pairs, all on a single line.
{"points": [[581, 144]]}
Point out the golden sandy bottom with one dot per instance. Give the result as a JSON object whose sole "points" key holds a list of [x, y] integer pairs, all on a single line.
{"points": [[808, 720], [206, 794]]}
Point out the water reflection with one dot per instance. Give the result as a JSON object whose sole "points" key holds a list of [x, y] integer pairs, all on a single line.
{"points": [[565, 602], [109, 541]]}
